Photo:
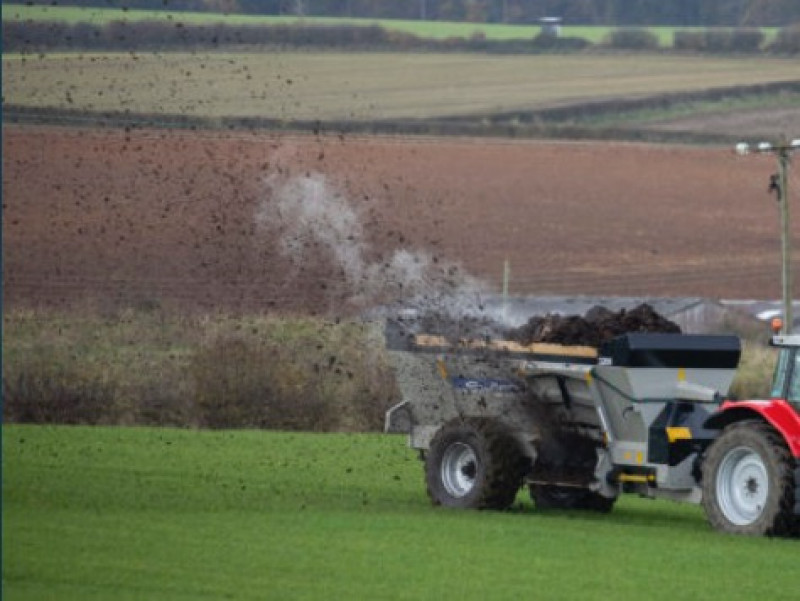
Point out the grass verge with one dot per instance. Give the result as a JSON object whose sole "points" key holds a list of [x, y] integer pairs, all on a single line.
{"points": [[98, 513], [154, 367]]}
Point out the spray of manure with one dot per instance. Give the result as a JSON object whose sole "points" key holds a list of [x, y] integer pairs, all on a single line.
{"points": [[313, 219], [410, 288]]}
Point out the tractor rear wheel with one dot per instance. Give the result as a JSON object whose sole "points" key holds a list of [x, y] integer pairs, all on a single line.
{"points": [[748, 481], [473, 464], [566, 497]]}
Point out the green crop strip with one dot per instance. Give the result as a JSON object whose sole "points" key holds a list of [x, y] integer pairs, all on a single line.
{"points": [[98, 513]]}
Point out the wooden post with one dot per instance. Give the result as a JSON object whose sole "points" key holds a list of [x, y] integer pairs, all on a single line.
{"points": [[506, 278]]}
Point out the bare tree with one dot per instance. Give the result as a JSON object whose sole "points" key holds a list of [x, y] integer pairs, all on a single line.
{"points": [[222, 6]]}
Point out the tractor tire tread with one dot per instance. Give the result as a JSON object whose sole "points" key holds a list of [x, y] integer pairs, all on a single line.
{"points": [[502, 464]]}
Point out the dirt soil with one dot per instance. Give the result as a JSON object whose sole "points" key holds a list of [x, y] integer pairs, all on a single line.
{"points": [[145, 217]]}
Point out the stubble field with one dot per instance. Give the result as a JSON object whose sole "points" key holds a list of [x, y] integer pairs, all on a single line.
{"points": [[360, 86]]}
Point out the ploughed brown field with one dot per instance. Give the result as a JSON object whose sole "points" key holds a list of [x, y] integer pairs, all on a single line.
{"points": [[111, 217]]}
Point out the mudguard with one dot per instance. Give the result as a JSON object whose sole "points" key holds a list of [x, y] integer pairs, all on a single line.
{"points": [[779, 413]]}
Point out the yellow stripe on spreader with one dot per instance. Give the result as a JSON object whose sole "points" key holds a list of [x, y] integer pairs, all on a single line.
{"points": [[640, 478], [544, 348], [682, 374], [675, 433]]}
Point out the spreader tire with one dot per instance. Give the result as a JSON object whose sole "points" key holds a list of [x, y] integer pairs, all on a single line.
{"points": [[564, 497], [748, 481], [473, 464]]}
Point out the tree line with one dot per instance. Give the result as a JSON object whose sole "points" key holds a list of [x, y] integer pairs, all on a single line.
{"points": [[614, 13], [40, 36]]}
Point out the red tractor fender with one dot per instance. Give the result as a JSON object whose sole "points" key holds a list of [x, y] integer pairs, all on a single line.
{"points": [[778, 413]]}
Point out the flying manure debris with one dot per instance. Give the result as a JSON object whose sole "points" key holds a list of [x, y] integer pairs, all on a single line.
{"points": [[316, 222]]}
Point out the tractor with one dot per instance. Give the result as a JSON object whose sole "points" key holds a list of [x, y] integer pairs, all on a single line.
{"points": [[645, 413]]}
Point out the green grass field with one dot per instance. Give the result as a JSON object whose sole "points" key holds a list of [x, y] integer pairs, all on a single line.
{"points": [[425, 29], [360, 86], [100, 513]]}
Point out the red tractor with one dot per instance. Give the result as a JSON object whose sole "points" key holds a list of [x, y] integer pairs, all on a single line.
{"points": [[751, 472]]}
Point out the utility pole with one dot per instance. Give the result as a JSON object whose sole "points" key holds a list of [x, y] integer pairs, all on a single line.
{"points": [[780, 183], [786, 252]]}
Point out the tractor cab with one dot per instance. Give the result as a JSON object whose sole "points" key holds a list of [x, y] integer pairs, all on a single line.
{"points": [[786, 380]]}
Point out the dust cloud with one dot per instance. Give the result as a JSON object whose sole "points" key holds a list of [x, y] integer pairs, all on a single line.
{"points": [[313, 219]]}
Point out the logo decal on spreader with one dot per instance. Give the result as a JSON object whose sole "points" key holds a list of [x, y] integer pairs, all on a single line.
{"points": [[485, 385]]}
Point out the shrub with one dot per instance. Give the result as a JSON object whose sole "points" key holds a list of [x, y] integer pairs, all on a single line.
{"points": [[747, 40], [401, 39], [50, 388], [242, 384], [718, 40], [787, 40], [117, 369], [154, 34], [632, 39], [544, 41], [694, 41], [688, 40], [293, 375], [35, 35], [152, 367], [733, 40]]}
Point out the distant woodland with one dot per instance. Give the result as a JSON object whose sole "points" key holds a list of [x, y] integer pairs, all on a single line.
{"points": [[615, 13]]}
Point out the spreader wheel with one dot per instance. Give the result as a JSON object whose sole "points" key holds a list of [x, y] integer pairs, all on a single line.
{"points": [[473, 464]]}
